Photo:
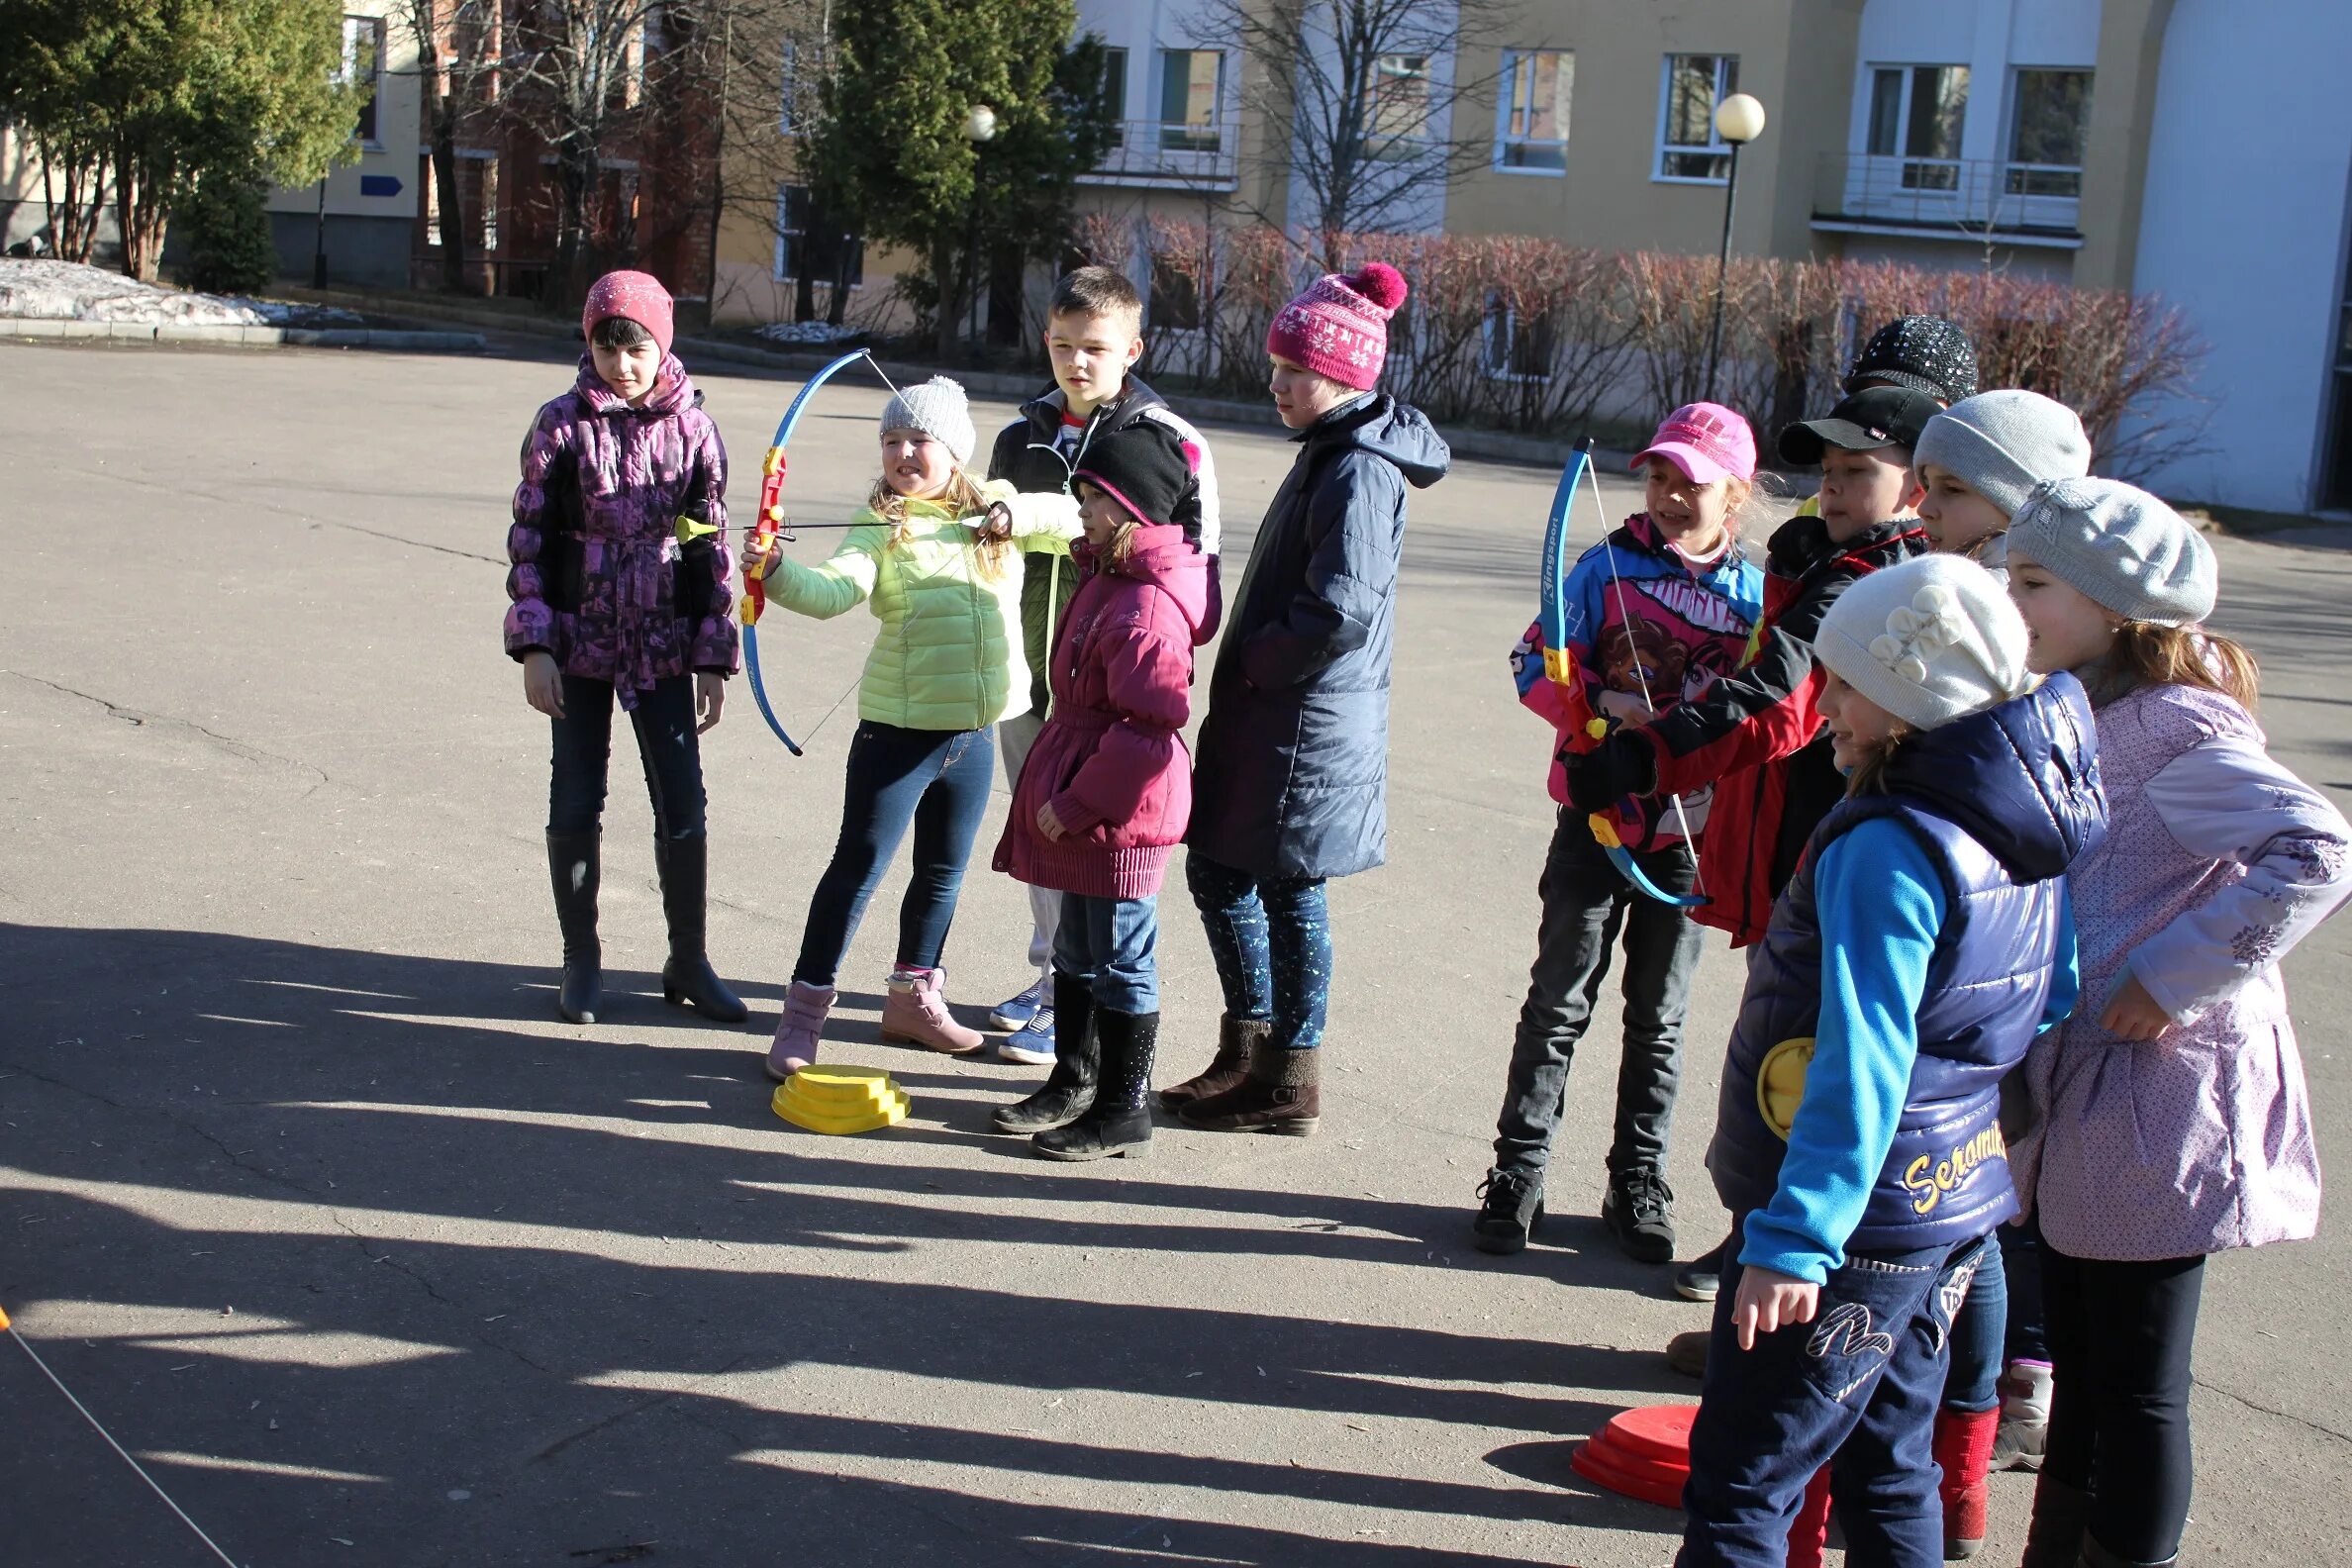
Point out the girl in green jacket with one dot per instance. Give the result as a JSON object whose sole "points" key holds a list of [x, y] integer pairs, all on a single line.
{"points": [[936, 558]]}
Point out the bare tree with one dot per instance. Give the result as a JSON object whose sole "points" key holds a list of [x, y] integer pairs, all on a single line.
{"points": [[1375, 94], [457, 57]]}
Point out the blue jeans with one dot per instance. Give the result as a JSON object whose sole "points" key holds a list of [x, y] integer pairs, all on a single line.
{"points": [[663, 718], [1855, 1389], [935, 779], [1971, 1386], [1110, 944], [1271, 938]]}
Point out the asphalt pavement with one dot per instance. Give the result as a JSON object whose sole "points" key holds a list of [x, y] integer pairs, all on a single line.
{"points": [[307, 1195]]}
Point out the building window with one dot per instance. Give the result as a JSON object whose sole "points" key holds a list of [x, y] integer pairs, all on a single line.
{"points": [[825, 251], [1397, 105], [1115, 72], [1915, 114], [364, 65], [2048, 129], [788, 87], [1192, 84], [1687, 148], [1536, 85], [1512, 350]]}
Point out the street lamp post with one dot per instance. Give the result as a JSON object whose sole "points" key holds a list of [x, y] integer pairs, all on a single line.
{"points": [[1738, 120], [980, 125]]}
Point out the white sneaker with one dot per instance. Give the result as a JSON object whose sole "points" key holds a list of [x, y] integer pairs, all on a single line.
{"points": [[1016, 1011], [1032, 1042]]}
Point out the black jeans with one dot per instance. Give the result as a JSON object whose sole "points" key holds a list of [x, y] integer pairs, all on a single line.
{"points": [[666, 744], [935, 779], [1854, 1389], [2121, 1335], [1586, 902], [2021, 1258]]}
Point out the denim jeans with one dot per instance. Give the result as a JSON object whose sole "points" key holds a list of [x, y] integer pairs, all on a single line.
{"points": [[1271, 938], [935, 779], [1015, 738], [2121, 1335], [2028, 1339], [1855, 1389], [1110, 943], [667, 745], [1973, 1384], [1586, 902]]}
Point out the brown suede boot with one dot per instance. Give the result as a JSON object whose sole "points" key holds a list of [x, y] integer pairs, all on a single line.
{"points": [[1234, 1036], [1283, 1093]]}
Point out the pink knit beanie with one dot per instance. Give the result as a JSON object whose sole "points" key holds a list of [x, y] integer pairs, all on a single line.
{"points": [[1338, 327], [638, 296]]}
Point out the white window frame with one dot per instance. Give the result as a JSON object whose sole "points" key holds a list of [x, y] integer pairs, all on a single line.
{"points": [[357, 27], [2010, 167], [1907, 96], [1497, 313], [1715, 146], [1190, 136], [1505, 100]]}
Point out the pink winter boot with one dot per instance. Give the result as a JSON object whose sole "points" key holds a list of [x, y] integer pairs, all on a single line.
{"points": [[916, 1012], [799, 1030]]}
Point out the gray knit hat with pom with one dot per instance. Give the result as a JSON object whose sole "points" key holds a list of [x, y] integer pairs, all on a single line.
{"points": [[938, 409], [2119, 545]]}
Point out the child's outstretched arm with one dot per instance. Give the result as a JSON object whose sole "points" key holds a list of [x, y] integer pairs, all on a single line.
{"points": [[2227, 800], [1880, 905], [1044, 522], [834, 585], [1148, 679]]}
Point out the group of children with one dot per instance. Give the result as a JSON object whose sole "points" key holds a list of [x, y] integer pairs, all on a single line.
{"points": [[1956, 764]]}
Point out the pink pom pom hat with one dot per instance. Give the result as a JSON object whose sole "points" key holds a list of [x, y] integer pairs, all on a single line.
{"points": [[638, 296], [1338, 327]]}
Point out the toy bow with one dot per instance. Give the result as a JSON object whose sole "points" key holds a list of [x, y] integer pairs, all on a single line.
{"points": [[1561, 666], [767, 526]]}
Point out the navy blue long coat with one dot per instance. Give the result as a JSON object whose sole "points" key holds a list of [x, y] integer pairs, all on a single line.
{"points": [[1291, 776]]}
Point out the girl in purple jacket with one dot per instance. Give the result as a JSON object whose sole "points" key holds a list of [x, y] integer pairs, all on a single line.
{"points": [[1106, 790], [620, 582], [2170, 1116]]}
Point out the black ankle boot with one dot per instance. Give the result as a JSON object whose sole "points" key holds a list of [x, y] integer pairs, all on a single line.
{"points": [[1069, 1090], [2055, 1538], [572, 866], [688, 980], [1119, 1119]]}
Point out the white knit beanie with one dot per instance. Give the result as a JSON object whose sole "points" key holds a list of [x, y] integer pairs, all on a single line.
{"points": [[938, 409], [2003, 443], [2121, 547], [1934, 640]]}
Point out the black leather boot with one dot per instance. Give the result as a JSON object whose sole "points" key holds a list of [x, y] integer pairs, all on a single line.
{"points": [[2055, 1538], [1119, 1119], [687, 979], [1069, 1090], [572, 866], [2097, 1556]]}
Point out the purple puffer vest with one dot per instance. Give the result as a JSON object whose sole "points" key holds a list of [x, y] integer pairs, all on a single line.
{"points": [[597, 575], [2197, 1142]]}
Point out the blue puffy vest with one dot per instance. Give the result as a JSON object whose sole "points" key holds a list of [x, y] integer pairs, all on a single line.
{"points": [[2002, 800]]}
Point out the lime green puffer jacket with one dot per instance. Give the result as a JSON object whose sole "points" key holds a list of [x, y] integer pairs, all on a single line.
{"points": [[949, 653]]}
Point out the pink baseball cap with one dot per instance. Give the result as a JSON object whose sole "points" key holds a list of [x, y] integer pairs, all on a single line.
{"points": [[1706, 441]]}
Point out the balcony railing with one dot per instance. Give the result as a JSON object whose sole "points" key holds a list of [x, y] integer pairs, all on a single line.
{"points": [[1967, 198], [1182, 154]]}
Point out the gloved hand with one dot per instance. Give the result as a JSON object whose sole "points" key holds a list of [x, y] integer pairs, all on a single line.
{"points": [[1624, 764]]}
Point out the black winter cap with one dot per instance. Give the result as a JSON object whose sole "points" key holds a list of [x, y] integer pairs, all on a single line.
{"points": [[1925, 354], [1145, 467]]}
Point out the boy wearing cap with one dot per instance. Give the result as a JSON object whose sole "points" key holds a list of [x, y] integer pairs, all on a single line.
{"points": [[1094, 335]]}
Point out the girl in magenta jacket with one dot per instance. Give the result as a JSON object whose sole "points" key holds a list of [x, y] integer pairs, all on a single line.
{"points": [[1106, 790]]}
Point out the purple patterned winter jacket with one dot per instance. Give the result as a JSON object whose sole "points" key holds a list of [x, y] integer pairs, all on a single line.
{"points": [[599, 576]]}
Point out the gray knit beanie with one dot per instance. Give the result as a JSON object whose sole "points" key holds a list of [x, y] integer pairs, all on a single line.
{"points": [[938, 409], [2120, 546], [1930, 640], [2003, 443]]}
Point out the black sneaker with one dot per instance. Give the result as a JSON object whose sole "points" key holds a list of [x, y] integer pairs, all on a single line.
{"points": [[1703, 1277], [1513, 1209], [1638, 1212]]}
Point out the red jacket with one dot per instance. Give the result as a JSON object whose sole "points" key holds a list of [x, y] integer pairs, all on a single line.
{"points": [[1756, 734], [1112, 757]]}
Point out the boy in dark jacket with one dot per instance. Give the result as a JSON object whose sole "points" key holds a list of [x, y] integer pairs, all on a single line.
{"points": [[1291, 782], [1094, 328]]}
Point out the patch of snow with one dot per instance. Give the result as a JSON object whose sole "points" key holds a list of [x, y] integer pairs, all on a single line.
{"points": [[809, 333], [51, 290], [279, 313]]}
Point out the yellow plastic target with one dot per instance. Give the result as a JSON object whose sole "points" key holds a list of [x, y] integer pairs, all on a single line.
{"points": [[1780, 1082]]}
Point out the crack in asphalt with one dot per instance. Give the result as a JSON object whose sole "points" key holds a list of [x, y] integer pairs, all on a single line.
{"points": [[241, 749], [2271, 1410], [650, 1403], [248, 504]]}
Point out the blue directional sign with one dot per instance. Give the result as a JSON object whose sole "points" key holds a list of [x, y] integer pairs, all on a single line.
{"points": [[379, 184]]}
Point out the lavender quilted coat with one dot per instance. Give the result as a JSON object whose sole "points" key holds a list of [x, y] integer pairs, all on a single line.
{"points": [[599, 579], [2216, 863]]}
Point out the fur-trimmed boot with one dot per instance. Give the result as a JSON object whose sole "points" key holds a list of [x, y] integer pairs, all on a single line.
{"points": [[1225, 1070], [1282, 1093], [573, 867], [1964, 1453], [687, 979], [1118, 1123], [1068, 1090], [800, 1029], [915, 1013]]}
